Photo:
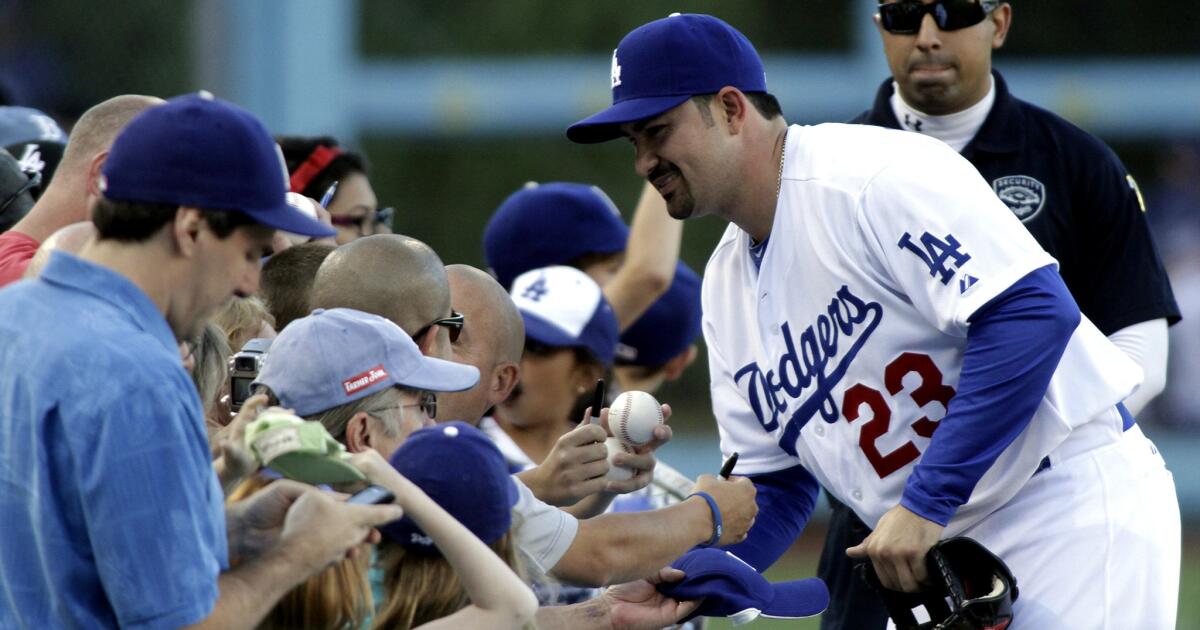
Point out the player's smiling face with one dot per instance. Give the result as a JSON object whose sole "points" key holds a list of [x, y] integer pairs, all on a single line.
{"points": [[679, 153], [943, 72]]}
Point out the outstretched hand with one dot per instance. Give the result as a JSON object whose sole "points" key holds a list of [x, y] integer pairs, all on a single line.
{"points": [[642, 460], [639, 606]]}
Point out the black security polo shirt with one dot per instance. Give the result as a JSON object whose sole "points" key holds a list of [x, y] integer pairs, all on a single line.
{"points": [[1076, 198]]}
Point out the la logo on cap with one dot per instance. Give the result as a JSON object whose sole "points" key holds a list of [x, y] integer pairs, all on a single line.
{"points": [[616, 70]]}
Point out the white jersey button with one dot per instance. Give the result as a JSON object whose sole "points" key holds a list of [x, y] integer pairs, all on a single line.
{"points": [[857, 494], [820, 431]]}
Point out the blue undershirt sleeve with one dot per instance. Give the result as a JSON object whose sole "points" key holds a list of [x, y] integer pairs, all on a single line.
{"points": [[1014, 344], [785, 502]]}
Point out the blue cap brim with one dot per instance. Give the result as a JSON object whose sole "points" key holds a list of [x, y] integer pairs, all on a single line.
{"points": [[438, 375], [542, 331], [798, 598], [605, 125], [289, 219]]}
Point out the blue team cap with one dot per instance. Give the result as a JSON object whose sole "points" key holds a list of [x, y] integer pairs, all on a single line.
{"points": [[664, 63], [461, 469], [200, 151], [668, 327], [551, 224], [564, 308], [25, 124], [731, 588], [336, 356]]}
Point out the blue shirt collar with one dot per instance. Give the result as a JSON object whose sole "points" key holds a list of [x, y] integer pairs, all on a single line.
{"points": [[74, 273]]}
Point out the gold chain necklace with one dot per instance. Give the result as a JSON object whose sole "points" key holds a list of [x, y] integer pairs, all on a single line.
{"points": [[782, 152]]}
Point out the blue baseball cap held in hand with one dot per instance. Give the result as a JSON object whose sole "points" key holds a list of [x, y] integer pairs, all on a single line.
{"points": [[664, 63], [731, 588], [206, 153], [461, 469]]}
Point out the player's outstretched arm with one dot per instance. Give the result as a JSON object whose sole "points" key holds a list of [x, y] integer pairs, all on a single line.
{"points": [[615, 548], [650, 258], [785, 502]]}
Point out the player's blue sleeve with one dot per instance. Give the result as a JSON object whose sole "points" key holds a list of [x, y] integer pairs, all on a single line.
{"points": [[785, 501], [1014, 344]]}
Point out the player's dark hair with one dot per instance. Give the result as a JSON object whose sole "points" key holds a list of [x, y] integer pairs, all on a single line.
{"points": [[135, 222], [297, 150], [765, 103]]}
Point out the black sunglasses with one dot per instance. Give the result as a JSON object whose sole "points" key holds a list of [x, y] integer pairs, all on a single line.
{"points": [[904, 18], [454, 324], [35, 180]]}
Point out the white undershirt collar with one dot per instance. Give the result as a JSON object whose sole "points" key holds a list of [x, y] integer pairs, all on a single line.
{"points": [[955, 129]]}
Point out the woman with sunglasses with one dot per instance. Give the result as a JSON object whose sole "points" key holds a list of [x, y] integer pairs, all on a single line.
{"points": [[316, 164], [1048, 172]]}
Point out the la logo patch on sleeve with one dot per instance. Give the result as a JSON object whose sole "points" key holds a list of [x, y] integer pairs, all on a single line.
{"points": [[1023, 194]]}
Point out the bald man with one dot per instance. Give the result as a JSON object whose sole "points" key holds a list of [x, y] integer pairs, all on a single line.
{"points": [[493, 343], [393, 276], [75, 187]]}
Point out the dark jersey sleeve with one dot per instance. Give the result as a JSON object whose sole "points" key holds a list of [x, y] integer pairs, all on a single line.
{"points": [[1130, 284]]}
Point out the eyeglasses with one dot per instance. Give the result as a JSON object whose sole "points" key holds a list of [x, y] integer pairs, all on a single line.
{"points": [[35, 180], [904, 18], [426, 403], [454, 323], [361, 222]]}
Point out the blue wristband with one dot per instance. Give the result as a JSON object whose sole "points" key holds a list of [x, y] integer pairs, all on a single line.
{"points": [[718, 528]]}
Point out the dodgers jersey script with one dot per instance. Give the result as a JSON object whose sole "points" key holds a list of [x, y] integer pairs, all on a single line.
{"points": [[841, 349]]}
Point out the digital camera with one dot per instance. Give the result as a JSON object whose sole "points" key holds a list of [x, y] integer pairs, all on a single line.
{"points": [[244, 368]]}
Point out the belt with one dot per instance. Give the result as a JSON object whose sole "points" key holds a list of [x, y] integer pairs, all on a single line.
{"points": [[1084, 443]]}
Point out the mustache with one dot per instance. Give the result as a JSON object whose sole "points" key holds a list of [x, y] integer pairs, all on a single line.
{"points": [[925, 60], [662, 170]]}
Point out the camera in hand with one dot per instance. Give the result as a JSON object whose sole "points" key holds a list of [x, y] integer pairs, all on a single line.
{"points": [[244, 368]]}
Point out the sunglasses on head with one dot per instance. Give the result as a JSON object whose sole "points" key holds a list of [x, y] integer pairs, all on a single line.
{"points": [[454, 324], [904, 18], [35, 180]]}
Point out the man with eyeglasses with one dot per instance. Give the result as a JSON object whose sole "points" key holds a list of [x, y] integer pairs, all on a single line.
{"points": [[880, 324], [1070, 191]]}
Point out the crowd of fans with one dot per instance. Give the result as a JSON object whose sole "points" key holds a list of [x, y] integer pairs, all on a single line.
{"points": [[168, 297]]}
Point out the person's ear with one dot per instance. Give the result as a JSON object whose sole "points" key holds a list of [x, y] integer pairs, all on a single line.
{"points": [[680, 362], [504, 379], [95, 168], [1001, 18], [358, 434], [733, 108], [428, 341], [185, 230]]}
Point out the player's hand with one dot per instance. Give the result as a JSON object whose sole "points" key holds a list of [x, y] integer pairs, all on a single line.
{"points": [[574, 468], [642, 460], [639, 606], [897, 549], [735, 498]]}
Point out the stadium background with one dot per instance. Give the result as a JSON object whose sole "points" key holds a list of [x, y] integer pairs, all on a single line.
{"points": [[458, 103]]}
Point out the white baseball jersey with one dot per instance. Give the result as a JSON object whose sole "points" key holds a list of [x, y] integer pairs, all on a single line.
{"points": [[841, 351]]}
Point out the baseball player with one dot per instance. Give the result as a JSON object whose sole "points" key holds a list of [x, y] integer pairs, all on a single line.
{"points": [[1069, 190], [879, 323]]}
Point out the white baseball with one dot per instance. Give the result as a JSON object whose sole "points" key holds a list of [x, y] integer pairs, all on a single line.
{"points": [[633, 416], [615, 472]]}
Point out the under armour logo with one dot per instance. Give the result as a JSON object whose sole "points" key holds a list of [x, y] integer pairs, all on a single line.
{"points": [[913, 123], [536, 291], [616, 70]]}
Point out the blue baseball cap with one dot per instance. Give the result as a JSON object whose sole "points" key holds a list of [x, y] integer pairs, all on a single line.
{"points": [[563, 307], [551, 224], [731, 588], [200, 151], [664, 63], [336, 356], [668, 327], [25, 124], [461, 469]]}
